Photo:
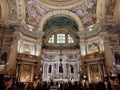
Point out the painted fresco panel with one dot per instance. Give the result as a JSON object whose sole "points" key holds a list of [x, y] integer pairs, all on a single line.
{"points": [[26, 73], [94, 70]]}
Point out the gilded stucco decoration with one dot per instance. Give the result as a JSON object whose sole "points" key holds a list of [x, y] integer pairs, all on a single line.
{"points": [[87, 12]]}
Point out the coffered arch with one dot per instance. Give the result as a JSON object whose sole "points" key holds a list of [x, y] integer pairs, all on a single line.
{"points": [[62, 13]]}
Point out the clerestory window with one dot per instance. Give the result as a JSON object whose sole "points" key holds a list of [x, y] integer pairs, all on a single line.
{"points": [[51, 40], [61, 38], [70, 39]]}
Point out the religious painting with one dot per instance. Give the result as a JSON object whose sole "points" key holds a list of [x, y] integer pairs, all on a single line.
{"points": [[87, 12], [26, 73], [34, 12], [94, 71]]}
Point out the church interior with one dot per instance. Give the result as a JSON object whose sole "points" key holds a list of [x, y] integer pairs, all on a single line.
{"points": [[60, 41]]}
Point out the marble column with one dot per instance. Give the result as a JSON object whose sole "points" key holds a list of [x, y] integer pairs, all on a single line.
{"points": [[38, 54], [13, 54], [83, 53], [109, 56]]}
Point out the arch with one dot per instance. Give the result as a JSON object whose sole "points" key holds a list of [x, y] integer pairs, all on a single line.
{"points": [[64, 4], [60, 12], [5, 10]]}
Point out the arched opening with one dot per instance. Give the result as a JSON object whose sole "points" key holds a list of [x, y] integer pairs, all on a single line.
{"points": [[60, 49], [60, 13]]}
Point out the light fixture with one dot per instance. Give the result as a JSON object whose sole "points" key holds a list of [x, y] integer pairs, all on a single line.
{"points": [[30, 29], [90, 29]]}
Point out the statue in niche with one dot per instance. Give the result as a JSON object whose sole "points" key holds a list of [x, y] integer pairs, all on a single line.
{"points": [[50, 69], [54, 68], [3, 58], [72, 69], [60, 68]]}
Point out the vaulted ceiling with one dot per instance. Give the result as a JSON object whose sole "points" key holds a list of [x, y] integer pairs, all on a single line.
{"points": [[86, 10], [32, 11]]}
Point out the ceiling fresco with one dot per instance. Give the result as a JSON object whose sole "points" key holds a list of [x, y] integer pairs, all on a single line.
{"points": [[34, 12], [87, 12]]}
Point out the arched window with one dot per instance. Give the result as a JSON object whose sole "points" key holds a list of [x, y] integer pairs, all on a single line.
{"points": [[70, 39], [51, 40], [61, 38]]}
